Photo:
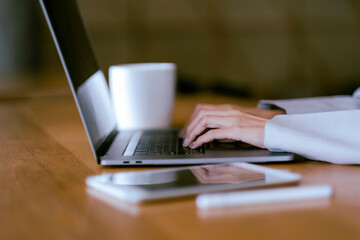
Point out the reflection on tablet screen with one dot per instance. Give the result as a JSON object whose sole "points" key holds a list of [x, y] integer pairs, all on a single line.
{"points": [[202, 175], [225, 174]]}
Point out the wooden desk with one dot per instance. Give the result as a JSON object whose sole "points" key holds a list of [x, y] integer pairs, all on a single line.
{"points": [[45, 158]]}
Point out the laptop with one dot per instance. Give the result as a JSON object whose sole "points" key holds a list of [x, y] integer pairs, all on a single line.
{"points": [[110, 145]]}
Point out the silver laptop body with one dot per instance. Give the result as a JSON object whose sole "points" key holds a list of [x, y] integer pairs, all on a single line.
{"points": [[111, 146]]}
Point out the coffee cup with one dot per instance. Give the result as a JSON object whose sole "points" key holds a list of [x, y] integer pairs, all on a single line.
{"points": [[143, 94]]}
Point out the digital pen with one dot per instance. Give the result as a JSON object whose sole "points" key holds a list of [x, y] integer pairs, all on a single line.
{"points": [[250, 197]]}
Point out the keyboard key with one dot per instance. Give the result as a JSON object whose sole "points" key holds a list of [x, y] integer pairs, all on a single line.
{"points": [[157, 143], [140, 153]]}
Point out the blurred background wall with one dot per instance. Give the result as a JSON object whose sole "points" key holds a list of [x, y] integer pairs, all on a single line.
{"points": [[20, 27], [257, 48]]}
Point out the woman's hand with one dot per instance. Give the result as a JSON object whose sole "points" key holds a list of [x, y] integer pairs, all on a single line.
{"points": [[226, 122]]}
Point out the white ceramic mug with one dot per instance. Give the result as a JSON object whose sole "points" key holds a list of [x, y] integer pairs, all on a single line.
{"points": [[143, 94]]}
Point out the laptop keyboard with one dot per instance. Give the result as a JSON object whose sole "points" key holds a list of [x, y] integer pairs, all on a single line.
{"points": [[163, 143]]}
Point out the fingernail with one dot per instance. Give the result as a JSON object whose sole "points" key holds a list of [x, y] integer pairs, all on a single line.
{"points": [[185, 142], [192, 144]]}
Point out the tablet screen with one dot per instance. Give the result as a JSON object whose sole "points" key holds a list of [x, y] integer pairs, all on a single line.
{"points": [[193, 176], [156, 184]]}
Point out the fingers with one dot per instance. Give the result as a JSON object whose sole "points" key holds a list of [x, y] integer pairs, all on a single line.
{"points": [[223, 133], [253, 133], [227, 122], [204, 107], [198, 108], [262, 113], [202, 123], [208, 119], [202, 115]]}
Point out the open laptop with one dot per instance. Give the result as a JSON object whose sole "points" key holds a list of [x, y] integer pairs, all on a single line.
{"points": [[110, 145]]}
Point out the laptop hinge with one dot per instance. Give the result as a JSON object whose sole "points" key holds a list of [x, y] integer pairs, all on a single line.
{"points": [[104, 147]]}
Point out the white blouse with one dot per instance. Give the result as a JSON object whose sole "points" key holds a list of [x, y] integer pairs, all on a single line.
{"points": [[321, 128]]}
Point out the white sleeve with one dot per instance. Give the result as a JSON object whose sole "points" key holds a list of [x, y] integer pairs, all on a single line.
{"points": [[329, 136], [313, 105]]}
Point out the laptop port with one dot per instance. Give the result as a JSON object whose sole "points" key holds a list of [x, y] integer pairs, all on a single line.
{"points": [[138, 161], [126, 162]]}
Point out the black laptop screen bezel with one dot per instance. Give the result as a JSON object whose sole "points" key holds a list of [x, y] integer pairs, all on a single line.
{"points": [[79, 62]]}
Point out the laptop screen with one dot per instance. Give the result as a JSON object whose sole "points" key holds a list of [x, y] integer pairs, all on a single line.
{"points": [[87, 81], [72, 39]]}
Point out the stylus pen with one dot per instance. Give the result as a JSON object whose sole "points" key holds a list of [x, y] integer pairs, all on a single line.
{"points": [[251, 197]]}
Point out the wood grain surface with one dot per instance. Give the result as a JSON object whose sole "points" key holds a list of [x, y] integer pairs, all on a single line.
{"points": [[45, 158]]}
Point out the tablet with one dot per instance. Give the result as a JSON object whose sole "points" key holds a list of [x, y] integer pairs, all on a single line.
{"points": [[151, 185]]}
